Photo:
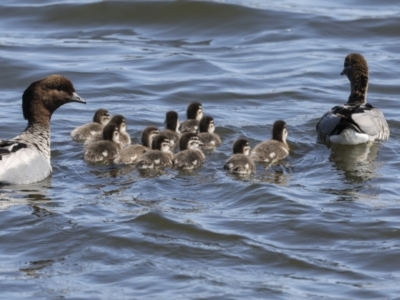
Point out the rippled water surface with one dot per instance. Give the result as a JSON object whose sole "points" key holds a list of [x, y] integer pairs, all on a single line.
{"points": [[322, 224]]}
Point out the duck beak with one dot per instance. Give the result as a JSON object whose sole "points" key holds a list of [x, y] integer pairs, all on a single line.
{"points": [[76, 98], [344, 72]]}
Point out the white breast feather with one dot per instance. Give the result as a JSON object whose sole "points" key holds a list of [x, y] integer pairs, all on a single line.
{"points": [[24, 166]]}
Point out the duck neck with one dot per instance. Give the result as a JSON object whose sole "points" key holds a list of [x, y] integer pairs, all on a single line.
{"points": [[38, 135], [279, 137], [359, 87]]}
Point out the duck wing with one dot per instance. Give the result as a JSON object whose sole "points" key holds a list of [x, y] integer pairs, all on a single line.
{"points": [[361, 118], [9, 147]]}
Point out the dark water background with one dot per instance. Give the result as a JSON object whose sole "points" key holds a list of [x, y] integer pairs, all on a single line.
{"points": [[323, 224]]}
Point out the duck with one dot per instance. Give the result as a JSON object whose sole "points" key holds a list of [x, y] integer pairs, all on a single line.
{"points": [[25, 159], [172, 129], [106, 149], [207, 136], [159, 157], [194, 114], [357, 121], [190, 157], [131, 153], [83, 132], [240, 162], [273, 150], [120, 122]]}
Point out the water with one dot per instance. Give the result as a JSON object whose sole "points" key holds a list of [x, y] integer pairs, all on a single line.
{"points": [[323, 224]]}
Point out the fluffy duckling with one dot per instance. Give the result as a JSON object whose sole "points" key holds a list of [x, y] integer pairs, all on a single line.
{"points": [[25, 158], [240, 162], [159, 157], [132, 153], [194, 114], [275, 149], [83, 132], [207, 136], [172, 129], [106, 149], [120, 122], [356, 121], [191, 156]]}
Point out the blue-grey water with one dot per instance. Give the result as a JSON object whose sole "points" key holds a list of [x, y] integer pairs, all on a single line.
{"points": [[322, 224]]}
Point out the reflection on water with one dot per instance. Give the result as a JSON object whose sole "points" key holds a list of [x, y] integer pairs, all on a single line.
{"points": [[276, 174], [11, 195], [35, 267], [356, 161]]}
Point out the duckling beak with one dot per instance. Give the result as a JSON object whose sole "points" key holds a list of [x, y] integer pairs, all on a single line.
{"points": [[76, 98]]}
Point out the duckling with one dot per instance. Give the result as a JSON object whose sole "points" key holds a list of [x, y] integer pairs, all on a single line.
{"points": [[194, 114], [172, 129], [120, 123], [106, 149], [25, 158], [159, 157], [83, 132], [207, 136], [275, 149], [191, 156], [132, 153], [240, 162], [356, 121]]}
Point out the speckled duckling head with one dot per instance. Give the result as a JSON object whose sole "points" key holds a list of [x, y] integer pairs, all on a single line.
{"points": [[189, 140], [148, 135], [194, 111], [241, 146], [172, 121], [161, 142], [207, 124], [279, 131], [111, 133], [120, 122], [101, 116], [356, 70], [58, 91]]}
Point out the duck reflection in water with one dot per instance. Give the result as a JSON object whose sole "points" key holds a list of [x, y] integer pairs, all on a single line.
{"points": [[34, 193], [276, 174], [356, 161]]}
